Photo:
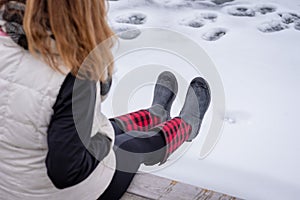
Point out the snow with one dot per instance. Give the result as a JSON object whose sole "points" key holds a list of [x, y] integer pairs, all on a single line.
{"points": [[132, 18], [257, 57], [127, 32], [272, 26], [297, 25], [214, 34], [241, 11]]}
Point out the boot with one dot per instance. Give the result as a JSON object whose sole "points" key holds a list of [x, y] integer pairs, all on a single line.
{"points": [[165, 91], [196, 104], [186, 126]]}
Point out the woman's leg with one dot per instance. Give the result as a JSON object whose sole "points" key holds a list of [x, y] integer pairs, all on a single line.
{"points": [[132, 149], [159, 143], [117, 129], [135, 148]]}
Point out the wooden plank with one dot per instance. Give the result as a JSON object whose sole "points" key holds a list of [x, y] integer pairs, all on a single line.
{"points": [[151, 187], [128, 196]]}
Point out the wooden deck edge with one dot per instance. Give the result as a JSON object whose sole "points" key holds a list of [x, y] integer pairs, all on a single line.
{"points": [[151, 187]]}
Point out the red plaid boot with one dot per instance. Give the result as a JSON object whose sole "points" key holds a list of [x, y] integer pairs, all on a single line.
{"points": [[165, 92], [175, 131], [142, 120]]}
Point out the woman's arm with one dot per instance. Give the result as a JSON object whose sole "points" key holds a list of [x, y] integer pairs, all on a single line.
{"points": [[68, 161]]}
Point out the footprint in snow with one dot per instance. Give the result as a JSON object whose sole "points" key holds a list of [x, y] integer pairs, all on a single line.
{"points": [[212, 17], [220, 2], [214, 34], [265, 9], [194, 23], [126, 32], [199, 20], [272, 26], [241, 11], [132, 18], [245, 11], [288, 17]]}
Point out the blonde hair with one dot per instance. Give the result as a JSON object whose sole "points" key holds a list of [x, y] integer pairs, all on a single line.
{"points": [[77, 27]]}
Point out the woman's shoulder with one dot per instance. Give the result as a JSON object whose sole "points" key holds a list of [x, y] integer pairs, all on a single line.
{"points": [[17, 65]]}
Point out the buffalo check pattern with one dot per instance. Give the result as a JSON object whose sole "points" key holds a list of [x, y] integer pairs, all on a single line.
{"points": [[176, 131], [141, 120]]}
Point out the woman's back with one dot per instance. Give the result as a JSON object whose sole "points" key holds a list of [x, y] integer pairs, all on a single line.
{"points": [[28, 92], [29, 89]]}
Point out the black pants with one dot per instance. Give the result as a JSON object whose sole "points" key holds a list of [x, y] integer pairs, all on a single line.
{"points": [[132, 149]]}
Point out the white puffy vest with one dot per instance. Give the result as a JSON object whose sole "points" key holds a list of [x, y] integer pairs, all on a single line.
{"points": [[28, 90]]}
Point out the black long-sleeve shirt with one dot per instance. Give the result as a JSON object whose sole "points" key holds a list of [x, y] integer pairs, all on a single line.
{"points": [[68, 161]]}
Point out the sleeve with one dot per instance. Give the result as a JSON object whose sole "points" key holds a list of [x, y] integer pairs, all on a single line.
{"points": [[105, 88], [70, 160]]}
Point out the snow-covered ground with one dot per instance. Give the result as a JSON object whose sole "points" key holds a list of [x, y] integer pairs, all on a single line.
{"points": [[255, 46]]}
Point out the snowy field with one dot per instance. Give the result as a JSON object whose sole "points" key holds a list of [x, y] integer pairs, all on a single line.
{"points": [[255, 47]]}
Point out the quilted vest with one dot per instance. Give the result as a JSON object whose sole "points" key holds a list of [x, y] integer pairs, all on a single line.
{"points": [[28, 90]]}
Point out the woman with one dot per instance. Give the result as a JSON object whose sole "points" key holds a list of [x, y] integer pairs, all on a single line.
{"points": [[55, 142]]}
